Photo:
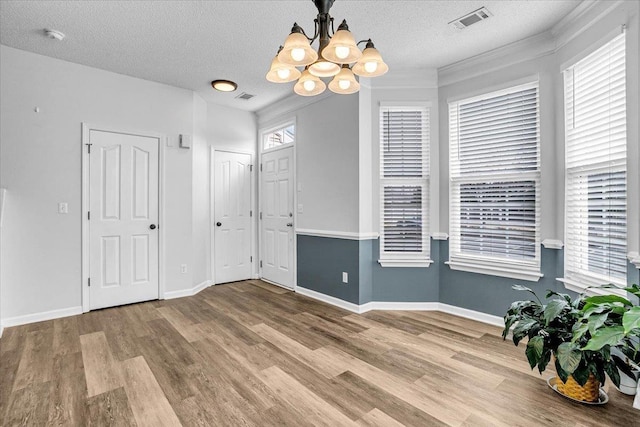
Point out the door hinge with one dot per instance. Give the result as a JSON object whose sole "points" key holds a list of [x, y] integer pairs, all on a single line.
{"points": [[250, 259], [89, 148], [260, 167], [89, 282], [88, 215], [250, 213], [261, 264], [260, 215], [250, 168]]}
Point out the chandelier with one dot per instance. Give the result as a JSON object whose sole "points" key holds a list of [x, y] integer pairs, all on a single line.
{"points": [[335, 52]]}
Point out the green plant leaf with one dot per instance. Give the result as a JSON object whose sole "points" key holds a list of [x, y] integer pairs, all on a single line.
{"points": [[595, 322], [553, 309], [534, 350], [522, 288], [579, 329], [631, 319], [581, 374], [604, 299], [611, 370], [544, 360], [569, 356], [610, 335], [622, 365], [522, 328], [562, 374]]}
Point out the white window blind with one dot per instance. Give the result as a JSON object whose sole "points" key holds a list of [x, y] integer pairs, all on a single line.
{"points": [[596, 158], [404, 184], [495, 183]]}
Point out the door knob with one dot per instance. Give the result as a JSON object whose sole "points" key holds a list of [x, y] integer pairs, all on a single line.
{"points": [[152, 226], [289, 224], [218, 224]]}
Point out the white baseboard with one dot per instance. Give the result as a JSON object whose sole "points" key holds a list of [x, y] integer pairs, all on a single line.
{"points": [[40, 317], [188, 292], [349, 306], [472, 314], [407, 306], [402, 306]]}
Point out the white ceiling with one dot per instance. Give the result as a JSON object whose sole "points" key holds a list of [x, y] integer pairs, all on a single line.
{"points": [[189, 43]]}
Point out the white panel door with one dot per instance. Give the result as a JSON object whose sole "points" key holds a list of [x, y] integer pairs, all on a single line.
{"points": [[232, 222], [123, 233], [277, 217]]}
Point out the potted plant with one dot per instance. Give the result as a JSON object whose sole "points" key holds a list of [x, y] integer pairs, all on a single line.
{"points": [[614, 321], [550, 331]]}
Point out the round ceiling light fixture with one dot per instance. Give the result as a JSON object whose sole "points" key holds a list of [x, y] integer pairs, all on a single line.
{"points": [[224, 85], [54, 34]]}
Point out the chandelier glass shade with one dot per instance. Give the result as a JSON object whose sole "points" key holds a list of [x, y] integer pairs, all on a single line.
{"points": [[282, 73], [309, 85], [335, 53], [344, 82]]}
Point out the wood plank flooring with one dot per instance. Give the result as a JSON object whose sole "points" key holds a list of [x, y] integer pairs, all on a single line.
{"points": [[252, 354]]}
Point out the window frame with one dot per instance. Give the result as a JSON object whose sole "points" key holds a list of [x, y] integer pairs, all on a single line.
{"points": [[407, 259], [272, 129], [524, 269]]}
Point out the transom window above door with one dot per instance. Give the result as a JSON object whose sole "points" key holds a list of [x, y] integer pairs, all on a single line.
{"points": [[279, 137]]}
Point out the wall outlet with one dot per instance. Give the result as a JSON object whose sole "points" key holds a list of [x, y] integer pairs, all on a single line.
{"points": [[63, 208], [345, 277], [300, 208], [183, 268]]}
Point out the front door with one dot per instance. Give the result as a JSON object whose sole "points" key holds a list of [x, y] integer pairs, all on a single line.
{"points": [[123, 218], [277, 217], [232, 222]]}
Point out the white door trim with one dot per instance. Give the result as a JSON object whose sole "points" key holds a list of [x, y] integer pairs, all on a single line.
{"points": [[262, 151], [212, 211], [86, 128]]}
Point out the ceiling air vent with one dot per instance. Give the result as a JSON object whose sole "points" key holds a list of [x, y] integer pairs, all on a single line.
{"points": [[245, 96], [471, 18]]}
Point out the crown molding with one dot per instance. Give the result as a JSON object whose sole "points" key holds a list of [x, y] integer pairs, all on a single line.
{"points": [[408, 78], [523, 50], [288, 105], [580, 19]]}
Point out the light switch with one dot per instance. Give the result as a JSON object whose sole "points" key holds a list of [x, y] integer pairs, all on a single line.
{"points": [[300, 208], [63, 208], [299, 186], [345, 277]]}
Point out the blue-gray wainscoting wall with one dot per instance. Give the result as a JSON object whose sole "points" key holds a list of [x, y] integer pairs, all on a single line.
{"points": [[321, 261], [406, 284]]}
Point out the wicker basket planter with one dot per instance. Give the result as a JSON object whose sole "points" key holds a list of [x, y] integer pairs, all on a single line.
{"points": [[590, 392]]}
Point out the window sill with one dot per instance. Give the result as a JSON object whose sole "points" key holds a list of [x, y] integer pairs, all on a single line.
{"points": [[423, 263], [501, 271], [582, 288]]}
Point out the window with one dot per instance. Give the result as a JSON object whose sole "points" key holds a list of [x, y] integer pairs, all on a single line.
{"points": [[404, 186], [495, 183], [278, 137], [596, 159]]}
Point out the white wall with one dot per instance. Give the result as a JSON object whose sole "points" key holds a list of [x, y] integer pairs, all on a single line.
{"points": [[417, 86], [327, 146], [40, 166], [224, 129]]}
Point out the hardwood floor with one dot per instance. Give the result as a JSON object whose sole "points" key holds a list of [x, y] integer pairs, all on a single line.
{"points": [[251, 354]]}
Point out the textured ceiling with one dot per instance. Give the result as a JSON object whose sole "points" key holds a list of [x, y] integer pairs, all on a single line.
{"points": [[189, 43]]}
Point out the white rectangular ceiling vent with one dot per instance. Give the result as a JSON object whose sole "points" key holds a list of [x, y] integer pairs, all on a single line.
{"points": [[471, 18], [245, 96]]}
